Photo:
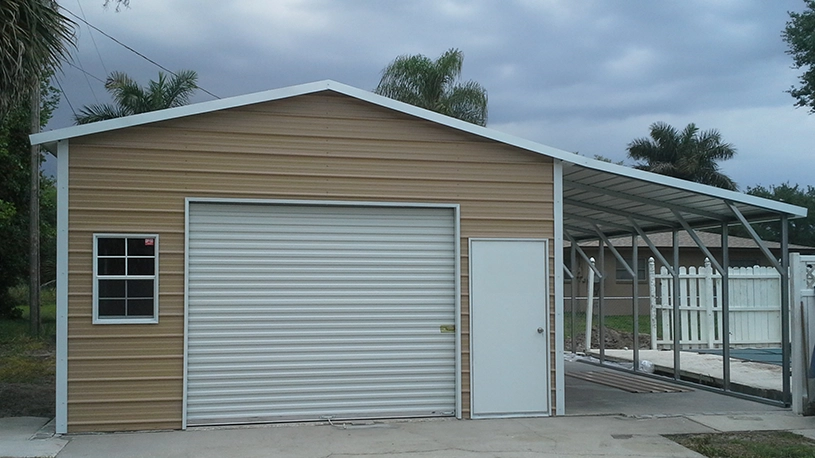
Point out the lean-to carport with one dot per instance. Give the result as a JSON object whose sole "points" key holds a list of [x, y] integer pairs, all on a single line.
{"points": [[601, 201]]}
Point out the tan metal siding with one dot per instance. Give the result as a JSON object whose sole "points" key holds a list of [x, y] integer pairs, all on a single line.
{"points": [[315, 147]]}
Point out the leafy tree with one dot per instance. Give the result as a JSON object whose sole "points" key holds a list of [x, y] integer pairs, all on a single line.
{"points": [[119, 3], [34, 38], [801, 231], [15, 169], [690, 154], [130, 98], [433, 85], [602, 158], [800, 37]]}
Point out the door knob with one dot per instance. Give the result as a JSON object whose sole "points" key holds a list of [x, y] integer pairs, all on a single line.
{"points": [[540, 330]]}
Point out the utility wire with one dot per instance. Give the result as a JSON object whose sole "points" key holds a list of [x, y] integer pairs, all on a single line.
{"points": [[102, 61], [86, 72], [131, 49], [90, 86], [66, 96]]}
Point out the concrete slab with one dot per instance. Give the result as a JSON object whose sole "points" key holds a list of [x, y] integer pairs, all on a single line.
{"points": [[565, 437], [578, 436], [755, 422], [615, 423], [760, 355], [747, 373], [586, 398], [23, 437], [810, 433]]}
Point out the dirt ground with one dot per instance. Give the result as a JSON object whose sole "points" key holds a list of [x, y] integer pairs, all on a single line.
{"points": [[27, 379], [27, 399], [613, 338]]}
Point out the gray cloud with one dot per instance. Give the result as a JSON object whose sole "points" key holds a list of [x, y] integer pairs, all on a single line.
{"points": [[585, 76]]}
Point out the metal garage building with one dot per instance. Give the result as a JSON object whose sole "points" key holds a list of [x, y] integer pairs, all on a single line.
{"points": [[321, 252]]}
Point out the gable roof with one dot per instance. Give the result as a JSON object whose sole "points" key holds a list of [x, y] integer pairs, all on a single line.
{"points": [[596, 195]]}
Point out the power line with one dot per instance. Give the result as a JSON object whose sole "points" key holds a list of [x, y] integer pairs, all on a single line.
{"points": [[90, 86], [86, 72], [130, 49], [102, 61], [66, 96]]}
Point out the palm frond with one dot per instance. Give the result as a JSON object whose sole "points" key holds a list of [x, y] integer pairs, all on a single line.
{"points": [[126, 92], [179, 89], [690, 154], [94, 113], [419, 81], [467, 102], [130, 98], [34, 39]]}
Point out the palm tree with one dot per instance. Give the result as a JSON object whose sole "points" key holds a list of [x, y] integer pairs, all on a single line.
{"points": [[130, 98], [34, 38], [429, 84], [690, 154]]}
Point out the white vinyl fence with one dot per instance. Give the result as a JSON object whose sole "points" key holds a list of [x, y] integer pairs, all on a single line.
{"points": [[755, 307]]}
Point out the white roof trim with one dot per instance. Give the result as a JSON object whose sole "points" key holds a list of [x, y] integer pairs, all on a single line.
{"points": [[571, 159]]}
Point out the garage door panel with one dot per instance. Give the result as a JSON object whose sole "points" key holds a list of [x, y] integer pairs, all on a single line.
{"points": [[307, 312]]}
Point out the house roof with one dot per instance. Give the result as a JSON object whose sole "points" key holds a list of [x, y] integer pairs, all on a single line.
{"points": [[597, 196]]}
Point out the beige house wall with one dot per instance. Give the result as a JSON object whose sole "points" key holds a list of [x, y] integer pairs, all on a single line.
{"points": [[323, 146]]}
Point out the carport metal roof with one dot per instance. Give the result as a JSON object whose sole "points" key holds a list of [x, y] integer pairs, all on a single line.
{"points": [[617, 199]]}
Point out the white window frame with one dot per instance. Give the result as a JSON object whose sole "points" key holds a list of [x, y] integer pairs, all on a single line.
{"points": [[124, 320]]}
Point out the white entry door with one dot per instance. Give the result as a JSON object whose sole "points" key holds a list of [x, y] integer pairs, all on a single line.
{"points": [[509, 328]]}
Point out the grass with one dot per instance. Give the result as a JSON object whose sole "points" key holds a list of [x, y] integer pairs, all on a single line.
{"points": [[622, 323], [750, 444], [25, 358]]}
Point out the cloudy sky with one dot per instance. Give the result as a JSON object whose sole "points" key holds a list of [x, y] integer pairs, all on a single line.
{"points": [[585, 76]]}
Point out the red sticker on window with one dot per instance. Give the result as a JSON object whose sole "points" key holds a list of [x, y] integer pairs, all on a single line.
{"points": [[149, 242]]}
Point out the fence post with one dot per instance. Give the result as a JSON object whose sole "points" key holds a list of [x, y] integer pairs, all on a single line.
{"points": [[708, 294], [589, 306], [652, 295], [667, 299]]}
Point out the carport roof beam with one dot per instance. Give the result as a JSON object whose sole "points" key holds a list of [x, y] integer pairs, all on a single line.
{"points": [[653, 247], [583, 255], [616, 253], [698, 241], [623, 213], [577, 229], [602, 222], [761, 245], [645, 200]]}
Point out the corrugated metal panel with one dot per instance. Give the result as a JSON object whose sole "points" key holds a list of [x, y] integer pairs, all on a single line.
{"points": [[214, 155], [306, 312]]}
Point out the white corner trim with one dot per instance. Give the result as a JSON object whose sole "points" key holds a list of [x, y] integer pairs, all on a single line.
{"points": [[560, 381], [62, 289], [457, 222], [186, 311]]}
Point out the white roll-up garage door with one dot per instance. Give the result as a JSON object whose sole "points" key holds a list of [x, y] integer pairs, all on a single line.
{"points": [[307, 312]]}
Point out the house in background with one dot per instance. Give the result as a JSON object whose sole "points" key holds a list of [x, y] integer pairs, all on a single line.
{"points": [[743, 252], [320, 252]]}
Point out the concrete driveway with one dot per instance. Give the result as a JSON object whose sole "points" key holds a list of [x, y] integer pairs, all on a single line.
{"points": [[578, 436], [601, 422]]}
